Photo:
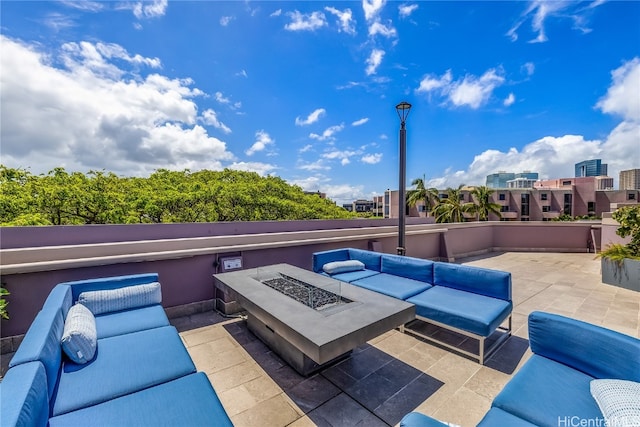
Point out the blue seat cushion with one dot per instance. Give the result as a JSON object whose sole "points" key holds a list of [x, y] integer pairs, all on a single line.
{"points": [[544, 392], [352, 276], [416, 419], [125, 322], [496, 417], [186, 401], [393, 286], [123, 364], [471, 312]]}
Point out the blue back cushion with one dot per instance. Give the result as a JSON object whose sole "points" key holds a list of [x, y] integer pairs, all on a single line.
{"points": [[370, 259], [325, 257], [60, 297], [24, 396], [482, 281], [411, 268], [596, 351], [42, 343], [114, 282]]}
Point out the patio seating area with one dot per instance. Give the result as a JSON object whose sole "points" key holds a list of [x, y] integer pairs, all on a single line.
{"points": [[396, 373]]}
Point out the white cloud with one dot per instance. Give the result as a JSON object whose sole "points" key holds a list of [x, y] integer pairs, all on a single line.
{"points": [[150, 9], [384, 30], [509, 100], [372, 8], [85, 115], [85, 6], [345, 19], [475, 92], [209, 117], [263, 140], [341, 155], [305, 22], [58, 21], [623, 96], [430, 82], [328, 133], [406, 10], [242, 73], [311, 118], [541, 11], [305, 148], [371, 159], [276, 13], [469, 91], [360, 122], [225, 20], [313, 166], [528, 68], [261, 169], [374, 61]]}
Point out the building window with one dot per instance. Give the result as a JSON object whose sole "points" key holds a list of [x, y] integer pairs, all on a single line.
{"points": [[568, 201], [546, 209], [524, 206], [504, 208], [443, 196], [631, 196], [422, 208], [502, 196], [462, 197], [566, 182], [543, 196], [591, 207]]}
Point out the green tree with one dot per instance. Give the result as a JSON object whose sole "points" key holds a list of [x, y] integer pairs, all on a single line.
{"points": [[100, 197], [422, 194], [483, 205], [451, 208]]}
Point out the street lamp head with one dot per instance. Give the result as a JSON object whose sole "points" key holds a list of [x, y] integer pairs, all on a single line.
{"points": [[403, 110]]}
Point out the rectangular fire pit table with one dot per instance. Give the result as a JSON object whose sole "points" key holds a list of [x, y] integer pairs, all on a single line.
{"points": [[308, 319]]}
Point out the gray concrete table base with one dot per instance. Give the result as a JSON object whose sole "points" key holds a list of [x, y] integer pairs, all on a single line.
{"points": [[283, 348]]}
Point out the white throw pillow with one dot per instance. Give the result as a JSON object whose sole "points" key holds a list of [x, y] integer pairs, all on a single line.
{"points": [[336, 267], [106, 301], [619, 401], [79, 338]]}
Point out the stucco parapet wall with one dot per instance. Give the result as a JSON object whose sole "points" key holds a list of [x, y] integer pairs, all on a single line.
{"points": [[48, 258]]}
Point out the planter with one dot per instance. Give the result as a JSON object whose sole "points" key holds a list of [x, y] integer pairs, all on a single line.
{"points": [[625, 275]]}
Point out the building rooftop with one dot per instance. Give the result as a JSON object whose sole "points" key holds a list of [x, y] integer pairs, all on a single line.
{"points": [[397, 373]]}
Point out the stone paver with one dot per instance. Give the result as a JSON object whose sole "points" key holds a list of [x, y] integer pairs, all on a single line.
{"points": [[396, 373]]}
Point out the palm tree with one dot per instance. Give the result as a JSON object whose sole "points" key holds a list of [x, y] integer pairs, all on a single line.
{"points": [[422, 193], [483, 206], [451, 209]]}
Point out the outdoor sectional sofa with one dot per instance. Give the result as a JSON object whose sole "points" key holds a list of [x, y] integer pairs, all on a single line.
{"points": [[127, 366], [573, 378], [472, 301]]}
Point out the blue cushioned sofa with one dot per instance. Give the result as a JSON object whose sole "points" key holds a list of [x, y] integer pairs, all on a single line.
{"points": [[469, 300], [141, 373], [553, 387]]}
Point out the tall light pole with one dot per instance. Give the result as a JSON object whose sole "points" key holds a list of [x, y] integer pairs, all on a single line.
{"points": [[403, 111]]}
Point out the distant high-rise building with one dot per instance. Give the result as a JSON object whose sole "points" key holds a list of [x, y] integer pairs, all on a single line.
{"points": [[630, 179], [593, 167], [502, 178]]}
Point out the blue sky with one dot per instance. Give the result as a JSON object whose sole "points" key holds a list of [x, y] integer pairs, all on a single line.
{"points": [[306, 90]]}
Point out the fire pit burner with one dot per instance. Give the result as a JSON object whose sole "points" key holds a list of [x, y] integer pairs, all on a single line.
{"points": [[305, 293]]}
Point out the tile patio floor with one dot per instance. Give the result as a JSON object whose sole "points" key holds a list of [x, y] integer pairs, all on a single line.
{"points": [[397, 373]]}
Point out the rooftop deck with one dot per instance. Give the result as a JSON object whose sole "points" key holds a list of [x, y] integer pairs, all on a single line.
{"points": [[397, 373]]}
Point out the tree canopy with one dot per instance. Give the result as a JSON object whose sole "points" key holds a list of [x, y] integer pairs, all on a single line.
{"points": [[98, 197]]}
